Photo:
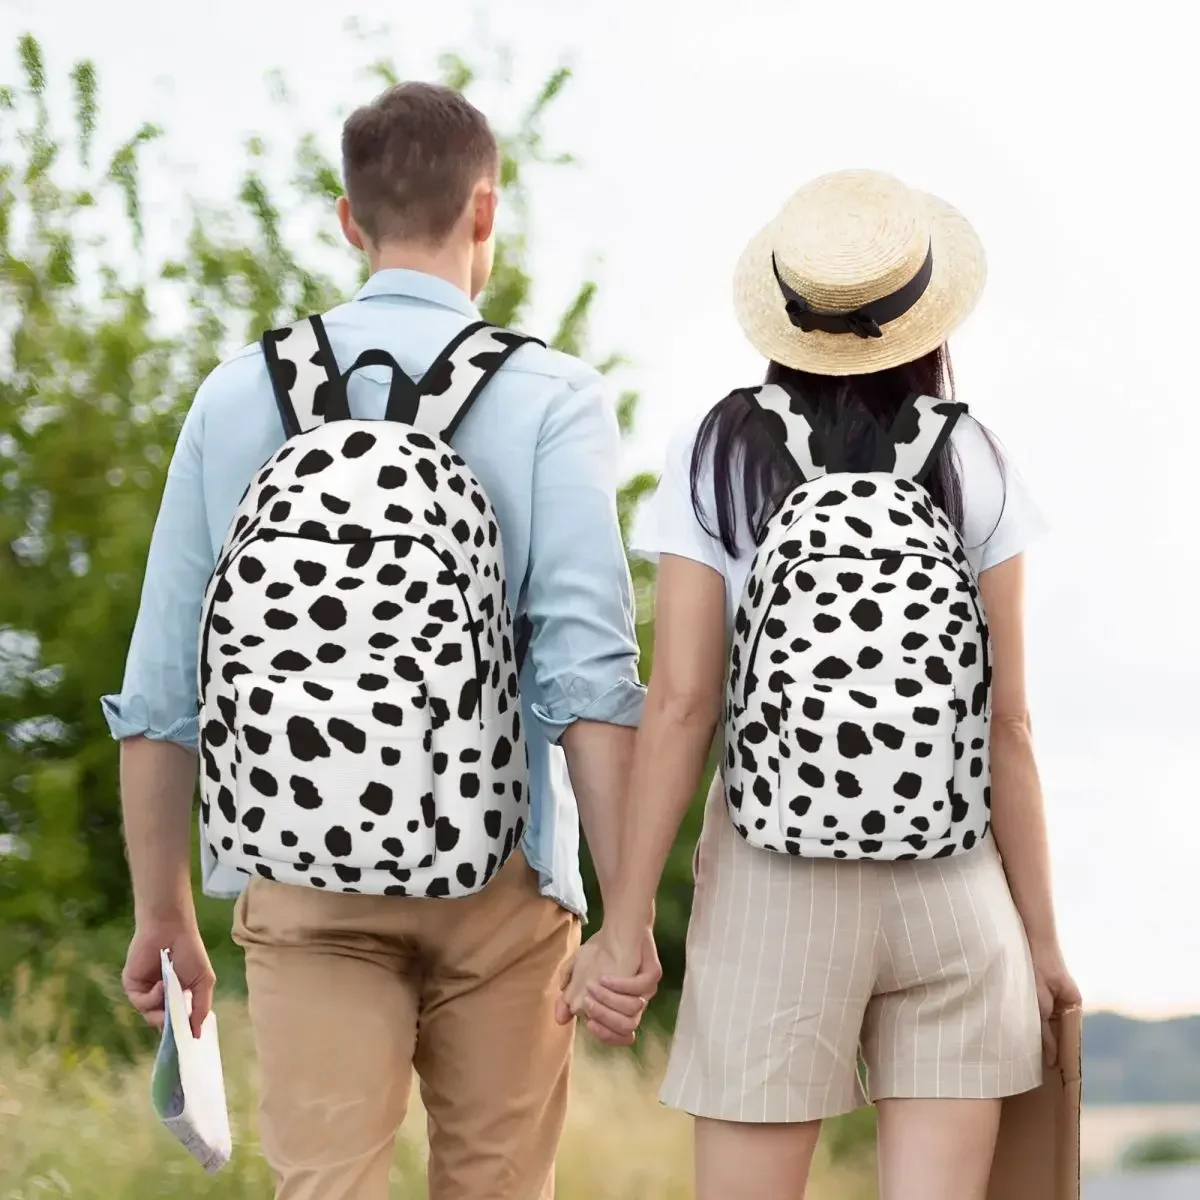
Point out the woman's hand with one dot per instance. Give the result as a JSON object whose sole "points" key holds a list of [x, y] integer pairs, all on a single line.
{"points": [[610, 987], [1056, 992]]}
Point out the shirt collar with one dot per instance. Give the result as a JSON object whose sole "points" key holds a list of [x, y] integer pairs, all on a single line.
{"points": [[416, 285]]}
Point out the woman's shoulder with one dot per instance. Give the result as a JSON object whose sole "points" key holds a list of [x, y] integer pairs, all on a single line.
{"points": [[668, 522], [1000, 516]]}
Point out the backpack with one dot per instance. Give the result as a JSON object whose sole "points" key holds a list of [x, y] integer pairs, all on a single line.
{"points": [[360, 723], [858, 694]]}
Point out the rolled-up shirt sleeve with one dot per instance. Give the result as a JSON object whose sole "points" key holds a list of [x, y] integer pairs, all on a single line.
{"points": [[579, 597], [159, 697]]}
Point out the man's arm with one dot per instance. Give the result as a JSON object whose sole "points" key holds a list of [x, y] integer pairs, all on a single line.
{"points": [[579, 599], [155, 719], [599, 757], [158, 781]]}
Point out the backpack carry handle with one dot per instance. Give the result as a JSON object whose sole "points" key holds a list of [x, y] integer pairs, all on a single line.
{"points": [[309, 388], [403, 394]]}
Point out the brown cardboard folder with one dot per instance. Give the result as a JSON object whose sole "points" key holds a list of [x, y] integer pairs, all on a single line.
{"points": [[1037, 1154]]}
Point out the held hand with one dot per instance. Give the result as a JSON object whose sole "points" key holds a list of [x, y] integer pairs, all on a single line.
{"points": [[610, 988], [142, 976], [1056, 992], [615, 1004]]}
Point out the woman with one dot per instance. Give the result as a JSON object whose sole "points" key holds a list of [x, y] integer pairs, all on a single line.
{"points": [[912, 927]]}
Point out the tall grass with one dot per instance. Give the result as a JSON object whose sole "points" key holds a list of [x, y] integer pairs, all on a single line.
{"points": [[77, 1123]]}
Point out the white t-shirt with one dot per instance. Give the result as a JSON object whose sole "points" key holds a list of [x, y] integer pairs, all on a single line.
{"points": [[1000, 518]]}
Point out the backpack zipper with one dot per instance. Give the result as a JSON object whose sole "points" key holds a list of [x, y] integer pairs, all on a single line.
{"points": [[851, 558], [235, 553]]}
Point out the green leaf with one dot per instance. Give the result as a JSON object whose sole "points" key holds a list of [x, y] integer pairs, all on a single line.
{"points": [[614, 362], [627, 405], [316, 176], [630, 496], [571, 335], [550, 92], [123, 171], [384, 70], [30, 53], [455, 72], [84, 79]]}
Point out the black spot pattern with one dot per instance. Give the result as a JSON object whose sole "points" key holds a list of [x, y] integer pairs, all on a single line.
{"points": [[299, 691], [859, 672]]}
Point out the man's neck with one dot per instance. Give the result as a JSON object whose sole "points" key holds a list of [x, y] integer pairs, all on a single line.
{"points": [[450, 263]]}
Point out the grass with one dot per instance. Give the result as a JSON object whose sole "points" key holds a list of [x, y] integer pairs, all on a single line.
{"points": [[77, 1123]]}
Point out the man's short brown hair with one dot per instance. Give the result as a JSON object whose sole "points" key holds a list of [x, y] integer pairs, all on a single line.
{"points": [[410, 160]]}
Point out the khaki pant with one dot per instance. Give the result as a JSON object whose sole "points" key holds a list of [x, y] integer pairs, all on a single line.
{"points": [[348, 993]]}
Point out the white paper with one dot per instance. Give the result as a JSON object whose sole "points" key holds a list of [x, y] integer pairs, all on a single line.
{"points": [[187, 1087]]}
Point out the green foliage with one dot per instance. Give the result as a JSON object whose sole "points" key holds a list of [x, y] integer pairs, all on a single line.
{"points": [[93, 387], [1161, 1150], [846, 1139]]}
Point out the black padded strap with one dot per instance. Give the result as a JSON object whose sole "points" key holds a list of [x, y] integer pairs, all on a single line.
{"points": [[459, 374], [304, 375], [792, 424], [919, 432]]}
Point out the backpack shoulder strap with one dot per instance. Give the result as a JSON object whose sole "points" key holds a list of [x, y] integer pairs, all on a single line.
{"points": [[310, 389], [449, 389], [304, 375], [792, 425], [919, 432]]}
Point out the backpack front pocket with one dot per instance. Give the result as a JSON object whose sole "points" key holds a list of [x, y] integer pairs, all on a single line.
{"points": [[869, 765], [334, 774]]}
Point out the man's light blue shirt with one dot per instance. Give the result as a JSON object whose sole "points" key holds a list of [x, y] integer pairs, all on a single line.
{"points": [[543, 440]]}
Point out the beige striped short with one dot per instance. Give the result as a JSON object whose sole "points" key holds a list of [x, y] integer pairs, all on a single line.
{"points": [[798, 969]]}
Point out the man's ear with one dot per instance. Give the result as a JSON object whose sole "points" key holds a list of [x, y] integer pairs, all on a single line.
{"points": [[350, 230], [486, 201]]}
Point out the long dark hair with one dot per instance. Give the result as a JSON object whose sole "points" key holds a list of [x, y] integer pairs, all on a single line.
{"points": [[748, 468]]}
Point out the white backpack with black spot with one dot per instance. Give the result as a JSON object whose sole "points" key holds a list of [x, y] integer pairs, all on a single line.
{"points": [[858, 695], [360, 725]]}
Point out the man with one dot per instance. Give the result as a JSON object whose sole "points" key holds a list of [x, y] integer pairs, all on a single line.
{"points": [[348, 992]]}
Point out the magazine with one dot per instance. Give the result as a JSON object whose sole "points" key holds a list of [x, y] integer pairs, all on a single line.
{"points": [[187, 1088]]}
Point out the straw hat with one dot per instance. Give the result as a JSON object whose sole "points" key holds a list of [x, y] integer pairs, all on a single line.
{"points": [[858, 273]]}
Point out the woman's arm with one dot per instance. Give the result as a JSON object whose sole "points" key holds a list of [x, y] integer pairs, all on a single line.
{"points": [[1018, 814], [683, 705]]}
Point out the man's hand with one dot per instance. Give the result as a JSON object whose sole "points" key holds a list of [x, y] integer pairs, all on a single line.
{"points": [[142, 977], [610, 988]]}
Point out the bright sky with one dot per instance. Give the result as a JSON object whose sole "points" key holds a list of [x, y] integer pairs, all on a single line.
{"points": [[1067, 137]]}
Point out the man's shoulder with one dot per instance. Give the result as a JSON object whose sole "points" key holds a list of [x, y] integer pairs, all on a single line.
{"points": [[233, 372], [234, 405], [546, 363]]}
